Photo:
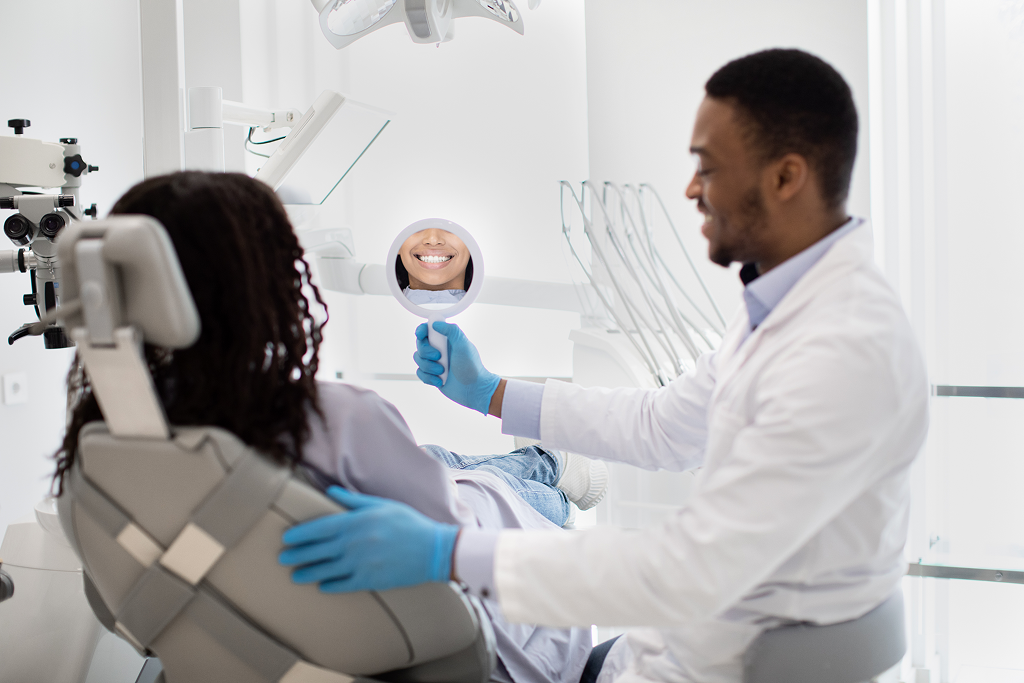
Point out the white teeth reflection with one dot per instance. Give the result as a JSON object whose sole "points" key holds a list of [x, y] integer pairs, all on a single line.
{"points": [[434, 259]]}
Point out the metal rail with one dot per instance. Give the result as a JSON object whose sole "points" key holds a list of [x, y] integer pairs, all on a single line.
{"points": [[939, 571], [978, 392]]}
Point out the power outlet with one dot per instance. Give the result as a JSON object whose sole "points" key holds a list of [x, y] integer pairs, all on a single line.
{"points": [[15, 388]]}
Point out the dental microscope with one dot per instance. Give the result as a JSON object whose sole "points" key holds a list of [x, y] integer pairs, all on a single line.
{"points": [[27, 168]]}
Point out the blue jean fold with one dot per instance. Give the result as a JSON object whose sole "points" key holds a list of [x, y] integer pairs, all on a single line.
{"points": [[531, 472]]}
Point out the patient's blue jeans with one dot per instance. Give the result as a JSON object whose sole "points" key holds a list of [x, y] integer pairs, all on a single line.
{"points": [[531, 472]]}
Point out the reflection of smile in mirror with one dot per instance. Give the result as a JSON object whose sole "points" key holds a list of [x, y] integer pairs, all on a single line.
{"points": [[435, 260]]}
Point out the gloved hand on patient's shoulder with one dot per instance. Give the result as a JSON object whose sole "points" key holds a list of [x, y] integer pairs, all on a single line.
{"points": [[378, 544], [469, 383]]}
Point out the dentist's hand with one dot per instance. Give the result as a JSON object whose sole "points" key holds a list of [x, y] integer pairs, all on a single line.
{"points": [[377, 545], [469, 383]]}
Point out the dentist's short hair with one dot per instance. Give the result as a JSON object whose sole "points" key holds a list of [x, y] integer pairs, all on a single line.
{"points": [[795, 102]]}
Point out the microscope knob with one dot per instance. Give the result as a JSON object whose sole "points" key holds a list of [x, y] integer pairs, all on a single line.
{"points": [[75, 165], [19, 125], [91, 211]]}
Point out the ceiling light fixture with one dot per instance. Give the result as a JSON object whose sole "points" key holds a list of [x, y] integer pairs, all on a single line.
{"points": [[428, 21]]}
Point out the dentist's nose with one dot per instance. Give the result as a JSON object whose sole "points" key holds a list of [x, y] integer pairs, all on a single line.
{"points": [[695, 189]]}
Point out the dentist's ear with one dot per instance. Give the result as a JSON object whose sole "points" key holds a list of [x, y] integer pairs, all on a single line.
{"points": [[789, 175]]}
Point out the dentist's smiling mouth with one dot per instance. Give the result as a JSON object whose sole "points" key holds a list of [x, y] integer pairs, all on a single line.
{"points": [[706, 224]]}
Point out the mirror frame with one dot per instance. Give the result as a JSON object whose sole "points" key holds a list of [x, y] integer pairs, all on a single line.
{"points": [[474, 254]]}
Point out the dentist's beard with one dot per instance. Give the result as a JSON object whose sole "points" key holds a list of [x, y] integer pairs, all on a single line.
{"points": [[734, 240]]}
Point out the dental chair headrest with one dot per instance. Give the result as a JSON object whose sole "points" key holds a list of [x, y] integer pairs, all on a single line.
{"points": [[141, 282]]}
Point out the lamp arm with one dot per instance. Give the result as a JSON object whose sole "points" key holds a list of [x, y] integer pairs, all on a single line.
{"points": [[267, 119]]}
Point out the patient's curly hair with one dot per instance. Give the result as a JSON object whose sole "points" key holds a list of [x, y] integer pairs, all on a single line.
{"points": [[252, 370]]}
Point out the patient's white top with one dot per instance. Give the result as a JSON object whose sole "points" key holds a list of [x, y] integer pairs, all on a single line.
{"points": [[367, 446], [430, 297]]}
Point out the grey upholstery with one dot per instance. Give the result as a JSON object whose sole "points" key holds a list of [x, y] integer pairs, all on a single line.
{"points": [[179, 529], [848, 652], [424, 634], [153, 295]]}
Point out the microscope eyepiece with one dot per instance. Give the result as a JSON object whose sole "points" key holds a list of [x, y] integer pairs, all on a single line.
{"points": [[51, 224], [18, 229]]}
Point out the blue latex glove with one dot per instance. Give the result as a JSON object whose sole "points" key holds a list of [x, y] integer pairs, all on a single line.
{"points": [[469, 383], [377, 545]]}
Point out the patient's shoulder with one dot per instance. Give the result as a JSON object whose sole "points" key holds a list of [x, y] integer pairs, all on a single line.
{"points": [[356, 407], [364, 443]]}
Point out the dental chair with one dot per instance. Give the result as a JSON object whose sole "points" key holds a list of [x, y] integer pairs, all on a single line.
{"points": [[853, 651], [179, 528]]}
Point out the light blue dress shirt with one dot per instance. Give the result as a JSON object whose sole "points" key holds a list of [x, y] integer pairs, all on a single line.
{"points": [[521, 406], [764, 292]]}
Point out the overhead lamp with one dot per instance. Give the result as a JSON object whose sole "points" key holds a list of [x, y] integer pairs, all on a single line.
{"points": [[428, 21]]}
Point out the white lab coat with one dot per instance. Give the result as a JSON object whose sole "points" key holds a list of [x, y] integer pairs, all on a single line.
{"points": [[805, 432]]}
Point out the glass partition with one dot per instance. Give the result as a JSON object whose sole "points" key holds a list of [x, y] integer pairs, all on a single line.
{"points": [[339, 146], [947, 140]]}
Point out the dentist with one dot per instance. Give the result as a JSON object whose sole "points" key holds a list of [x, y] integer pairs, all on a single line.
{"points": [[804, 422]]}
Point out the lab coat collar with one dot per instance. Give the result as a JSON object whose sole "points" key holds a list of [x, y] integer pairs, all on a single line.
{"points": [[764, 292], [849, 252]]}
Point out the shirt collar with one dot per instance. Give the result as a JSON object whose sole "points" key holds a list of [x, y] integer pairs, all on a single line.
{"points": [[764, 292]]}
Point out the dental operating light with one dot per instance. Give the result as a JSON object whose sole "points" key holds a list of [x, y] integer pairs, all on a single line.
{"points": [[428, 21]]}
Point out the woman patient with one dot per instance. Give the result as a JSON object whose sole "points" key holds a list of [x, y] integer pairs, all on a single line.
{"points": [[252, 373]]}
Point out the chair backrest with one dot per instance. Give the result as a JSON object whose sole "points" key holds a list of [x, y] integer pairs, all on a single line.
{"points": [[179, 529], [848, 652]]}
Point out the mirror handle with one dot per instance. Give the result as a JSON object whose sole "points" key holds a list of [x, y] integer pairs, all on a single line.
{"points": [[439, 342]]}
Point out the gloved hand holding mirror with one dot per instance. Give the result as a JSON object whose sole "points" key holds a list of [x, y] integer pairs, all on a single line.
{"points": [[437, 273]]}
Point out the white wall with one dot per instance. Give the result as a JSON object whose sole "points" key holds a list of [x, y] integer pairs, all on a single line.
{"points": [[985, 101], [646, 67], [72, 68], [485, 126]]}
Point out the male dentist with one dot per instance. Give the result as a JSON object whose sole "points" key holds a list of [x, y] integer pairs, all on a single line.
{"points": [[804, 423]]}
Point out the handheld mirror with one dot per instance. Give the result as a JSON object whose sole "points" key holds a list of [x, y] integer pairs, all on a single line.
{"points": [[435, 270]]}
